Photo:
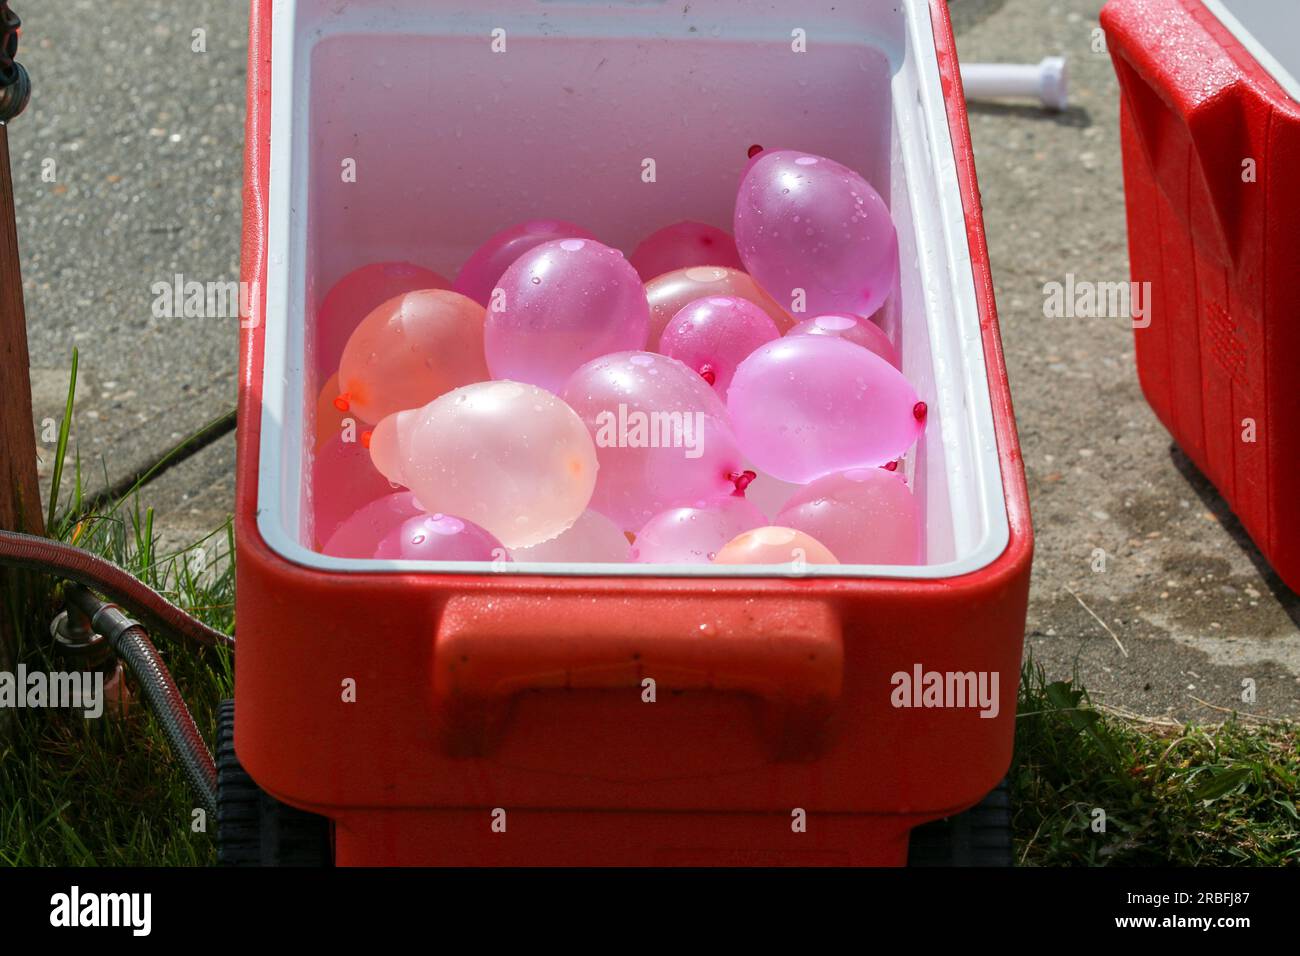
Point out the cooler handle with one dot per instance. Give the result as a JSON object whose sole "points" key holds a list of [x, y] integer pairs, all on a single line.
{"points": [[786, 653]]}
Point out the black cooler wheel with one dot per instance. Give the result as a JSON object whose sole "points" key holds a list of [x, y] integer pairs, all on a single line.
{"points": [[980, 836], [253, 828]]}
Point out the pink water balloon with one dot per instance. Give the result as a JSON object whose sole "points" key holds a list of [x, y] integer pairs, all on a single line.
{"points": [[661, 435], [715, 334], [767, 492], [806, 222], [773, 544], [410, 350], [389, 446], [852, 328], [695, 535], [671, 292], [864, 515], [343, 480], [684, 244], [485, 266], [508, 456], [809, 405], [593, 539], [560, 305], [360, 534], [354, 297]]}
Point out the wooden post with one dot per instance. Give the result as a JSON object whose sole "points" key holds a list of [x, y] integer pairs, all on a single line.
{"points": [[20, 494]]}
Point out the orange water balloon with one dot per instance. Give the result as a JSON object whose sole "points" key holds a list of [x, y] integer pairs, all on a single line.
{"points": [[775, 545], [410, 350], [671, 292]]}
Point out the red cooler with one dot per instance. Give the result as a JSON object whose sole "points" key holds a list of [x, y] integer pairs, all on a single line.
{"points": [[499, 713], [1210, 125]]}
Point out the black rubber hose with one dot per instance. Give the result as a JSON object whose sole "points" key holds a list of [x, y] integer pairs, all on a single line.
{"points": [[35, 553], [132, 644]]}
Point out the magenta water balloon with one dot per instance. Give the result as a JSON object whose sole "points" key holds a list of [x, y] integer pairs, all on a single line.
{"points": [[485, 266], [440, 537], [852, 328], [508, 456], [684, 244], [864, 515], [360, 535], [807, 222], [593, 539], [561, 305], [806, 406], [343, 480], [661, 435], [715, 334], [695, 535]]}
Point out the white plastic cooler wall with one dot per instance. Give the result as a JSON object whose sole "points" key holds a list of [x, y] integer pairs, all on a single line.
{"points": [[1270, 30], [452, 141]]}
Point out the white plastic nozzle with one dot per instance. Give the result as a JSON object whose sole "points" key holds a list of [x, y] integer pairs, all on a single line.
{"points": [[1046, 81]]}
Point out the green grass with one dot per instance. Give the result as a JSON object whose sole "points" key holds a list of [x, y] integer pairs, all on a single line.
{"points": [[1182, 796], [108, 791]]}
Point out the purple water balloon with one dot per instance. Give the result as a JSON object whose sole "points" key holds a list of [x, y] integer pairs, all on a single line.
{"points": [[661, 435], [864, 515], [695, 535], [439, 537], [806, 222], [396, 527], [806, 406], [715, 334], [485, 266], [852, 328], [561, 305]]}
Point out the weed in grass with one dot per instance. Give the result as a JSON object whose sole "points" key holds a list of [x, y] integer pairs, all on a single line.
{"points": [[1189, 796]]}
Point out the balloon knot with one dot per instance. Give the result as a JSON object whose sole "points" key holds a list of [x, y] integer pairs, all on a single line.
{"points": [[742, 480]]}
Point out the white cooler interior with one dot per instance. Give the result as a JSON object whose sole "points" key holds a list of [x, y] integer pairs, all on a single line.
{"points": [[453, 142], [1270, 30]]}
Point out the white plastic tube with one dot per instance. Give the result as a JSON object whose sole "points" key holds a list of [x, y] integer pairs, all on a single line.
{"points": [[1046, 81]]}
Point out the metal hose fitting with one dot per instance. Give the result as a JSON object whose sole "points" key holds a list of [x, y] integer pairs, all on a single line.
{"points": [[133, 647]]}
